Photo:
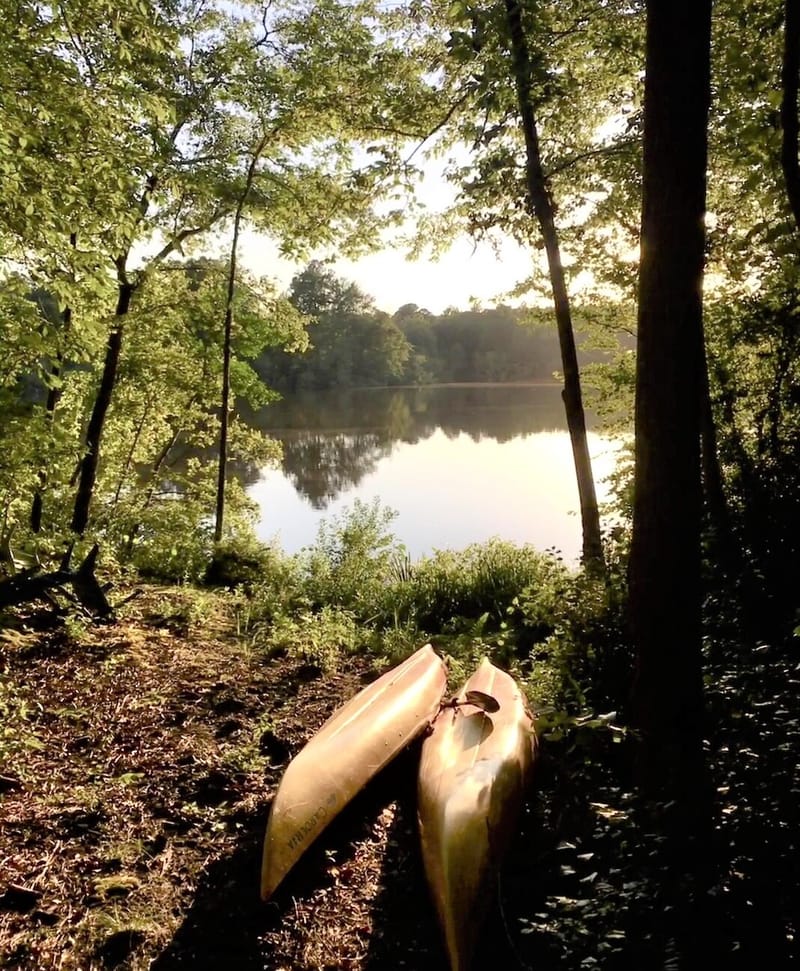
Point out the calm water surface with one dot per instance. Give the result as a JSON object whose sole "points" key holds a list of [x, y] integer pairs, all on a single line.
{"points": [[458, 464]]}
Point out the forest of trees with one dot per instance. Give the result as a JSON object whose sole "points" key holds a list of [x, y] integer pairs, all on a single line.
{"points": [[354, 345], [651, 147]]}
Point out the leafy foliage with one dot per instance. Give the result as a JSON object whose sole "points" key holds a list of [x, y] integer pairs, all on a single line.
{"points": [[348, 564], [318, 639], [135, 140], [563, 633], [128, 137]]}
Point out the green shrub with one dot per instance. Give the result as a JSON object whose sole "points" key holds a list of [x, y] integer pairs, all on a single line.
{"points": [[179, 553], [170, 536], [395, 643], [279, 590], [562, 633], [350, 562], [319, 639], [482, 579], [243, 560], [578, 649], [185, 609]]}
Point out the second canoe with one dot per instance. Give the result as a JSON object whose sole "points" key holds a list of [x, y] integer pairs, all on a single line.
{"points": [[474, 769]]}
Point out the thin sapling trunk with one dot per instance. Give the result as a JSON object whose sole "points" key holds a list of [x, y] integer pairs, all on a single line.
{"points": [[541, 204]]}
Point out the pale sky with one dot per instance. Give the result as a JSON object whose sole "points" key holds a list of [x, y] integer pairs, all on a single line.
{"points": [[467, 271]]}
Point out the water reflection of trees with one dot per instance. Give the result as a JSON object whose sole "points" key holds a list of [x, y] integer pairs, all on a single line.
{"points": [[322, 466], [332, 440]]}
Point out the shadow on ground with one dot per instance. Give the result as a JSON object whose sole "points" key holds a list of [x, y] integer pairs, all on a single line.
{"points": [[404, 931], [357, 898], [224, 926]]}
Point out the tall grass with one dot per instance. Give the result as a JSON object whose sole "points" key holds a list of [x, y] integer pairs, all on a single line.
{"points": [[356, 589]]}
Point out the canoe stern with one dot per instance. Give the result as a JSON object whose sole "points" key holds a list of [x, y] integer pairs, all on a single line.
{"points": [[353, 745]]}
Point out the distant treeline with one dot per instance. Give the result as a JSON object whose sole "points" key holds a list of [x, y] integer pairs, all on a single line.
{"points": [[355, 345]]}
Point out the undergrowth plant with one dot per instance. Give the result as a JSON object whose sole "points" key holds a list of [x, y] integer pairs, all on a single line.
{"points": [[320, 638], [16, 736], [351, 560], [356, 589]]}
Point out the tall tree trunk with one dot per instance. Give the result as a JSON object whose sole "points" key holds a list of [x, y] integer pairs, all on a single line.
{"points": [[94, 432], [542, 208], [227, 333], [665, 590], [53, 397], [790, 77]]}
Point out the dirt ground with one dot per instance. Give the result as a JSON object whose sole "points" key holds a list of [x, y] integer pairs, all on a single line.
{"points": [[137, 764], [140, 761]]}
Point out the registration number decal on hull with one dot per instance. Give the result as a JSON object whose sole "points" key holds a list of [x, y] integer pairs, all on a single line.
{"points": [[313, 822]]}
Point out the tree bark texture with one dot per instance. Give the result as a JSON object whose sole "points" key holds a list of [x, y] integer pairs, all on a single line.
{"points": [[94, 432], [542, 208], [665, 564], [790, 77]]}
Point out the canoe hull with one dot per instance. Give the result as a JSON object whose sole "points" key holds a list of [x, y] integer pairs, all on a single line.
{"points": [[356, 742], [474, 770]]}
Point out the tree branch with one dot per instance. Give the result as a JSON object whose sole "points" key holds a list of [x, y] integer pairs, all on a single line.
{"points": [[264, 16], [181, 237], [468, 91], [591, 153], [77, 43]]}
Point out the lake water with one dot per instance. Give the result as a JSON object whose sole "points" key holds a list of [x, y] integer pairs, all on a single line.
{"points": [[459, 464]]}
